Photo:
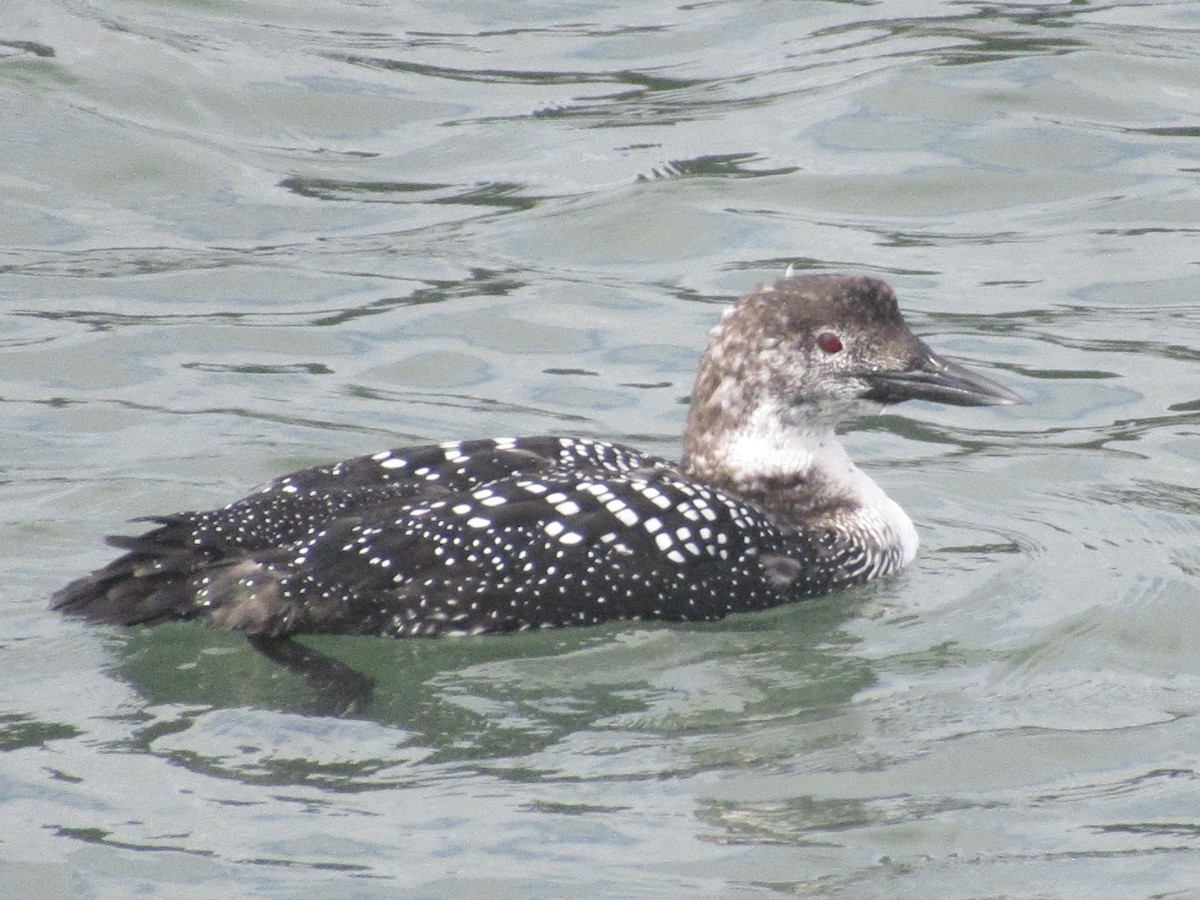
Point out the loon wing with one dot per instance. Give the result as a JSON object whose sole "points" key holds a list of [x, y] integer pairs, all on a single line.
{"points": [[162, 571]]}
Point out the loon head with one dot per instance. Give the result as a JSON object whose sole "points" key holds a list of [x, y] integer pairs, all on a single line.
{"points": [[790, 360]]}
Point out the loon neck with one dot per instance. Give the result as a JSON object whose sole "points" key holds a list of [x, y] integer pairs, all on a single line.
{"points": [[799, 474]]}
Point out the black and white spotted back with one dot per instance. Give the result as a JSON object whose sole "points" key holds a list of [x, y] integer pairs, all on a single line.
{"points": [[466, 537]]}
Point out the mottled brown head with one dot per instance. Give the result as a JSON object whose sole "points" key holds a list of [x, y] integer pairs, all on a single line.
{"points": [[804, 352]]}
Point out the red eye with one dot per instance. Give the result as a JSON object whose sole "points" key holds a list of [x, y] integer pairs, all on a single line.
{"points": [[829, 342]]}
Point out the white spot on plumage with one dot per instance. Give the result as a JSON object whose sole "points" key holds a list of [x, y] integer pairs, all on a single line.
{"points": [[626, 516]]}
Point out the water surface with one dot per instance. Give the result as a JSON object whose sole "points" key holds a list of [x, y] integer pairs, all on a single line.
{"points": [[242, 238]]}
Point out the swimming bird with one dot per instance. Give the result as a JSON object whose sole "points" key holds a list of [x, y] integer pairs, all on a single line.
{"points": [[499, 535]]}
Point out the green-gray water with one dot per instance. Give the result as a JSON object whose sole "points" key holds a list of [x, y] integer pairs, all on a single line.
{"points": [[241, 238]]}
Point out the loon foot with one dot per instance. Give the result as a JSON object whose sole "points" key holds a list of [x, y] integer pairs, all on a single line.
{"points": [[341, 691]]}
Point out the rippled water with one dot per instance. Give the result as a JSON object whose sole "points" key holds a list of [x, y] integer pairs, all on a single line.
{"points": [[240, 238]]}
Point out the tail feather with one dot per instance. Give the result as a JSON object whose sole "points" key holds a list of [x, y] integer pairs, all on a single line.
{"points": [[129, 593], [153, 582], [170, 573]]}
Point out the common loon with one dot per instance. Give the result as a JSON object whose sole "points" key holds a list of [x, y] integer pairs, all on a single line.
{"points": [[505, 535]]}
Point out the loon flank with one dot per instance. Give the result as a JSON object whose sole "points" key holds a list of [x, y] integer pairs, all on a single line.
{"points": [[504, 535]]}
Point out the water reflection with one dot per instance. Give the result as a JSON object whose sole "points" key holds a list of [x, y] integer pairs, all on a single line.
{"points": [[537, 705]]}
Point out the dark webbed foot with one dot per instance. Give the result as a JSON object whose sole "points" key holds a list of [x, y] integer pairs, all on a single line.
{"points": [[341, 691]]}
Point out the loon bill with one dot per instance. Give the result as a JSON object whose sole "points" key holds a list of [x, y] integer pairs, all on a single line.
{"points": [[764, 508]]}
